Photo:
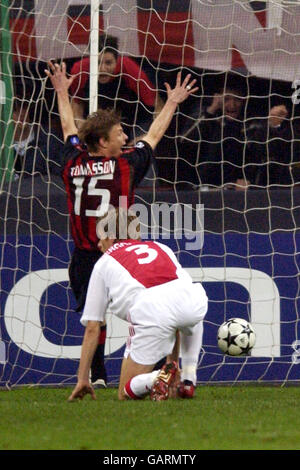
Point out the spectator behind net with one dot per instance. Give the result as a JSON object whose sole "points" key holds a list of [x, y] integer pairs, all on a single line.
{"points": [[220, 133], [273, 147], [122, 85]]}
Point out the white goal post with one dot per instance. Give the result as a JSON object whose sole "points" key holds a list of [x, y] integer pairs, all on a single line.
{"points": [[249, 260]]}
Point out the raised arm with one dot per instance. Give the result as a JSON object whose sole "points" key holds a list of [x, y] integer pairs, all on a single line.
{"points": [[175, 96], [61, 84]]}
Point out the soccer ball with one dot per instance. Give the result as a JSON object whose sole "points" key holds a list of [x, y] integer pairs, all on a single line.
{"points": [[236, 337]]}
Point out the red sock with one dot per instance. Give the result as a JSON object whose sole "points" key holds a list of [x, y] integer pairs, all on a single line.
{"points": [[130, 393], [102, 335]]}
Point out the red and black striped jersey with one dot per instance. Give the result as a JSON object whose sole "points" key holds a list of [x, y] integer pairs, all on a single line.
{"points": [[94, 183]]}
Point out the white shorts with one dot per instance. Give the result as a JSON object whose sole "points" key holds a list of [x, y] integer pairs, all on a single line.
{"points": [[157, 314]]}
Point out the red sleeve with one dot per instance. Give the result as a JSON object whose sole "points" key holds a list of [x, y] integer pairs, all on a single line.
{"points": [[137, 80], [80, 70]]}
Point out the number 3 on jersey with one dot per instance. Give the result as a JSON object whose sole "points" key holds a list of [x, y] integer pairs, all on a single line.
{"points": [[102, 193], [143, 250]]}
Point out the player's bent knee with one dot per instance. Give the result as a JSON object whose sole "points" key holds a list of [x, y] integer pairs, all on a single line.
{"points": [[122, 395]]}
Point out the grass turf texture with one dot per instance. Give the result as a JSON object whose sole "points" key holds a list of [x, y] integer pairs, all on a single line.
{"points": [[218, 418]]}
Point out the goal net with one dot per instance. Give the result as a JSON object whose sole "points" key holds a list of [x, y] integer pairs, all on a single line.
{"points": [[230, 154]]}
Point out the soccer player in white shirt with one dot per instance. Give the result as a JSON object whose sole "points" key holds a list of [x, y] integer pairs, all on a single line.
{"points": [[143, 283]]}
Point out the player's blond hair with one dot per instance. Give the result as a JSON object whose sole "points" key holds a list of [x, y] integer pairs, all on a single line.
{"points": [[96, 126], [119, 224]]}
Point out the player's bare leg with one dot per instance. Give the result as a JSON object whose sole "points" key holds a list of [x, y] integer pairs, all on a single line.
{"points": [[129, 370]]}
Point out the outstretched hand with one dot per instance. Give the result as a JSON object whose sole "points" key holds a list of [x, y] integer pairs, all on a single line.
{"points": [[81, 390], [181, 91], [58, 76]]}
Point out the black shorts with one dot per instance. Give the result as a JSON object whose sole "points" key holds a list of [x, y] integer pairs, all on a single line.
{"points": [[80, 271]]}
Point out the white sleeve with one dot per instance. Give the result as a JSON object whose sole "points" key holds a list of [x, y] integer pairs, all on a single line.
{"points": [[96, 299]]}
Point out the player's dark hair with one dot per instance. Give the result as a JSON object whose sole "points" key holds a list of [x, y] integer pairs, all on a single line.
{"points": [[109, 44], [96, 126]]}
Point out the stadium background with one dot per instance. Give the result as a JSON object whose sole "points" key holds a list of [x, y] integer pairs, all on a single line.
{"points": [[254, 234]]}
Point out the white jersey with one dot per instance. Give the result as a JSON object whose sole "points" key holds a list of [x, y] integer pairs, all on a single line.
{"points": [[125, 270]]}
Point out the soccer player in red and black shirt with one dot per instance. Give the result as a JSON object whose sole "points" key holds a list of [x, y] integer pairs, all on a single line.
{"points": [[100, 174], [93, 182]]}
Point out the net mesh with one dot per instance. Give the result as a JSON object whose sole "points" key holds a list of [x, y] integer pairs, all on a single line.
{"points": [[241, 128]]}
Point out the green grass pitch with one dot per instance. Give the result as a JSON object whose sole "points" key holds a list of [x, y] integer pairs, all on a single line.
{"points": [[218, 418]]}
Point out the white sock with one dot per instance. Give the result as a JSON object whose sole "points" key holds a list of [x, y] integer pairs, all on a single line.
{"points": [[190, 347], [141, 384]]}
